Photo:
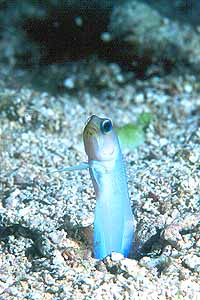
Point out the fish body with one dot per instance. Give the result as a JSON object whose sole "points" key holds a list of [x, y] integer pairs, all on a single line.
{"points": [[113, 223]]}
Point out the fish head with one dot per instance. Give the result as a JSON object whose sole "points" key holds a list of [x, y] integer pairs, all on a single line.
{"points": [[100, 140]]}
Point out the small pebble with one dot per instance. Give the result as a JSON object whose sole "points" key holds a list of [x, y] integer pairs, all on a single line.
{"points": [[116, 256], [192, 262], [69, 83]]}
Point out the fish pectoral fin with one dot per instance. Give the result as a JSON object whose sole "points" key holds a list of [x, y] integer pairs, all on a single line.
{"points": [[81, 166], [97, 165], [97, 170]]}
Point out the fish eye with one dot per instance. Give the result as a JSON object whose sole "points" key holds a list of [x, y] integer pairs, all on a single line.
{"points": [[106, 126]]}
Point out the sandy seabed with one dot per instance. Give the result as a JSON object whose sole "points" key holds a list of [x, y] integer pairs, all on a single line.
{"points": [[45, 243]]}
